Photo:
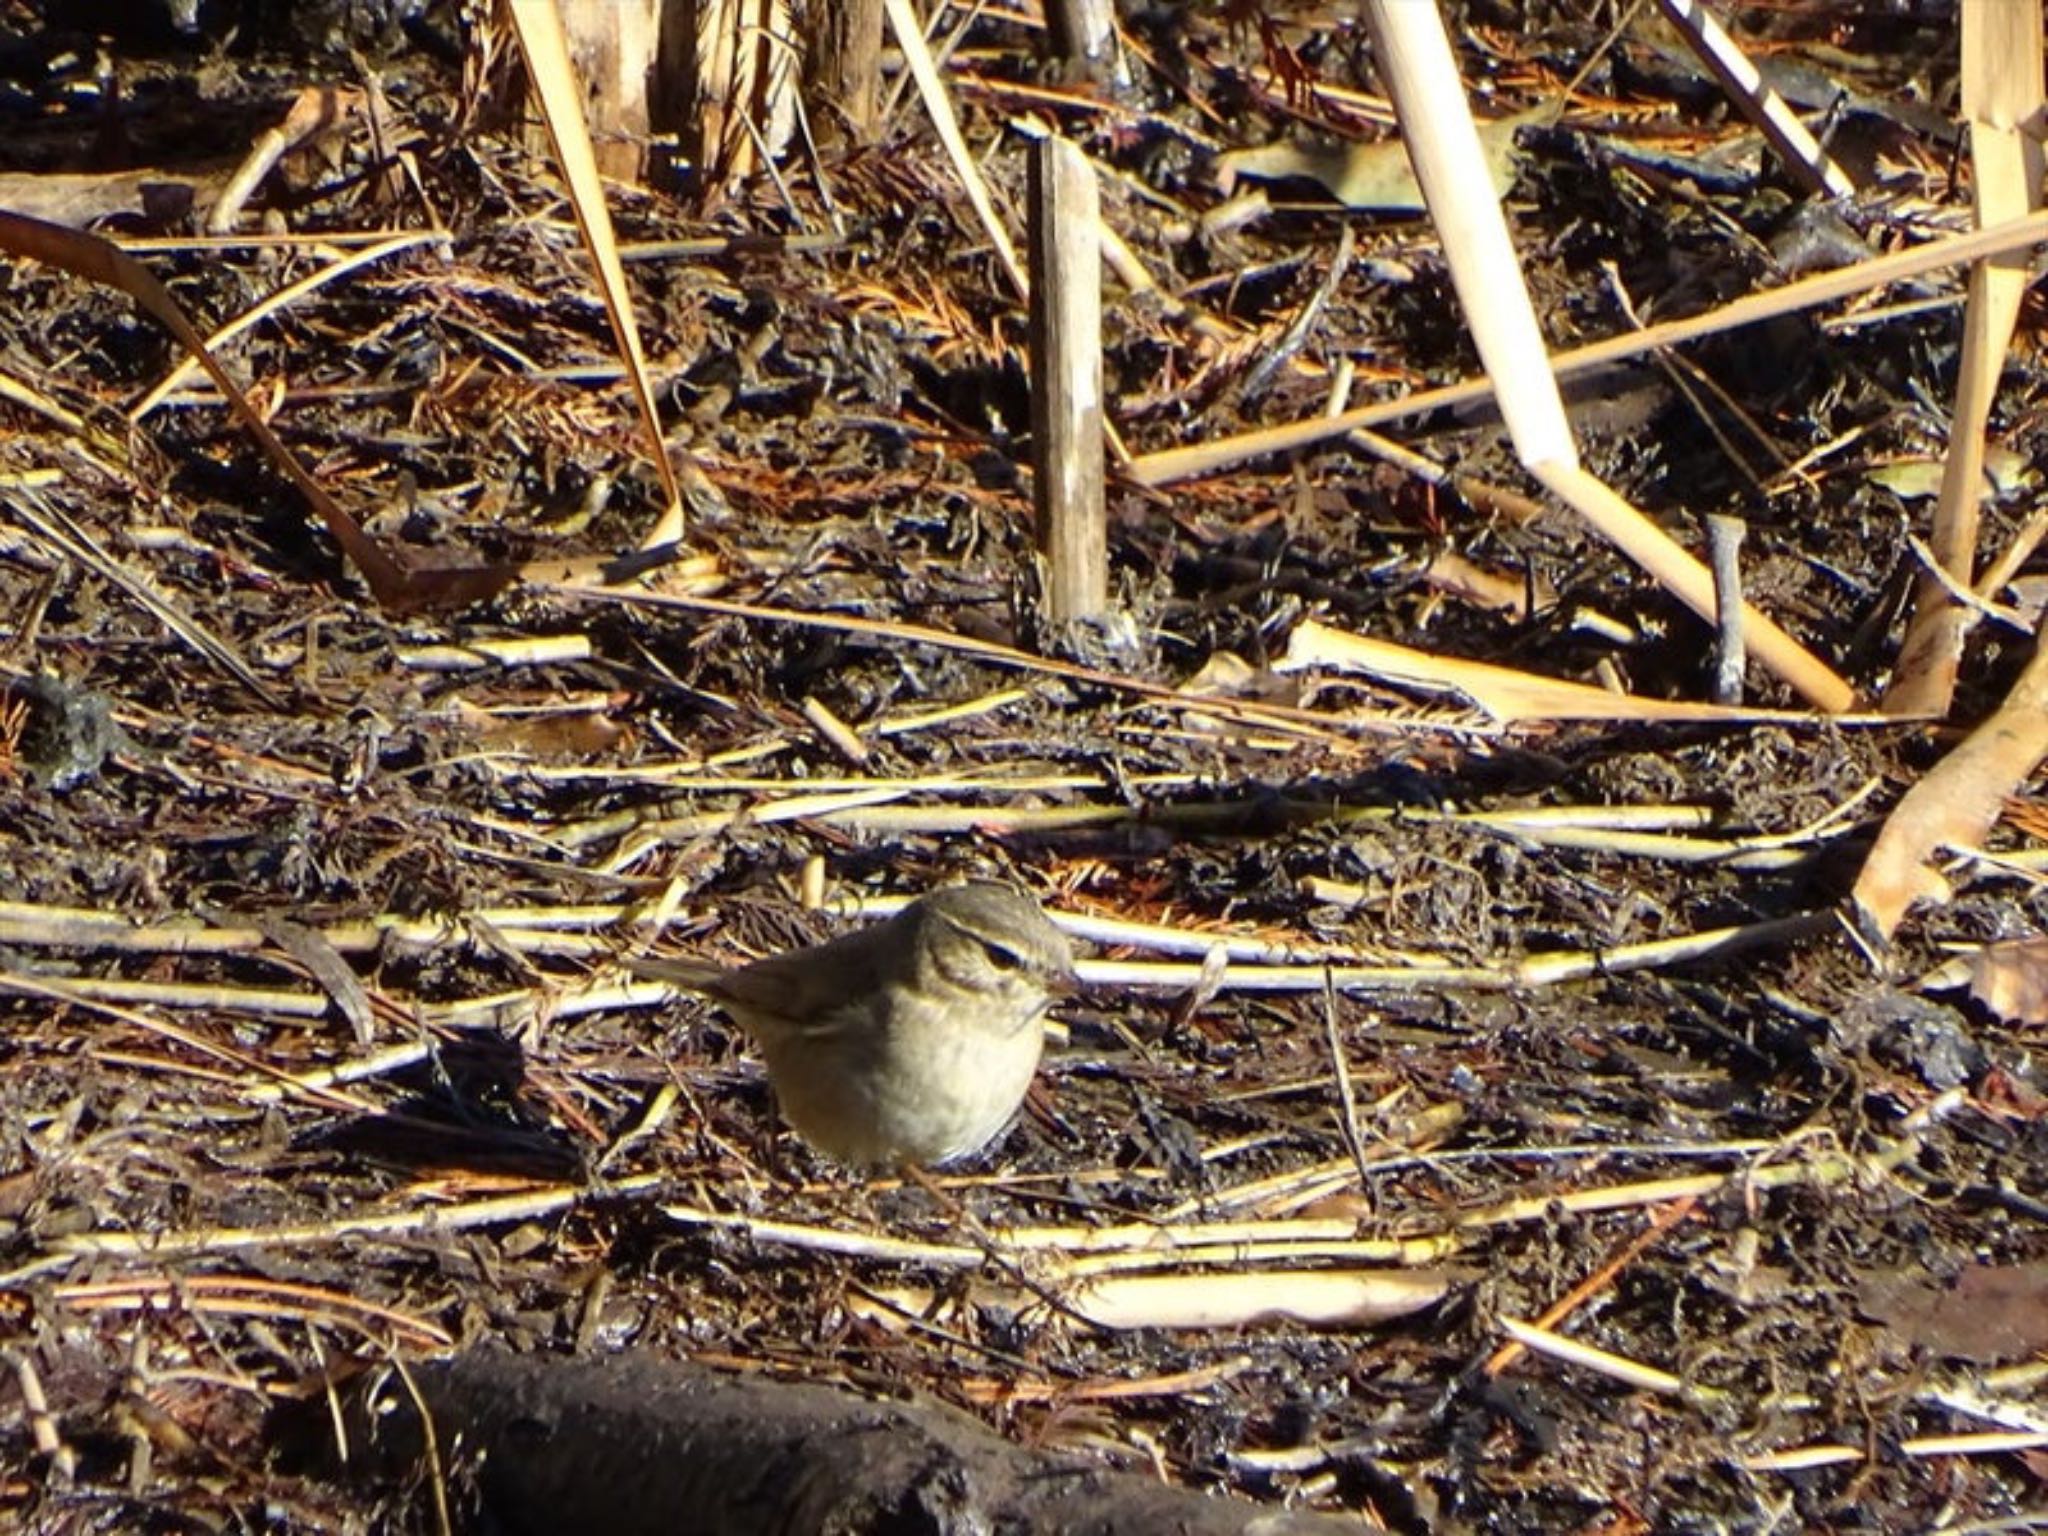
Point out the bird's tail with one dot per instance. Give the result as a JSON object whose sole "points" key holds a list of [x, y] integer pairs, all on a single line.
{"points": [[696, 975]]}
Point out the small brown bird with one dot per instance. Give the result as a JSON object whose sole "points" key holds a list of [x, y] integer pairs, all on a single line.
{"points": [[912, 1041]]}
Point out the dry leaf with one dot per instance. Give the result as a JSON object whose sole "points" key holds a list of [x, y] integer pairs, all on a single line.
{"points": [[1225, 674], [1914, 479], [1376, 175], [2011, 979], [1991, 1312], [1955, 805], [1483, 586], [1314, 1299]]}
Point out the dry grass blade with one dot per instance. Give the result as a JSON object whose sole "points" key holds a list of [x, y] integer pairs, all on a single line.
{"points": [[1326, 728], [275, 303], [1420, 972], [1319, 1298], [1800, 152], [546, 51], [526, 1206], [80, 994], [251, 1296], [1631, 1373], [63, 533], [100, 261], [910, 38], [1807, 1458], [743, 88]]}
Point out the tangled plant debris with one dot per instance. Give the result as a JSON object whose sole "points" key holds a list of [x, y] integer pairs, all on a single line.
{"points": [[1469, 1118]]}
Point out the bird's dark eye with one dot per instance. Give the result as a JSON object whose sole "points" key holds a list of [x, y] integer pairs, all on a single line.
{"points": [[1004, 959]]}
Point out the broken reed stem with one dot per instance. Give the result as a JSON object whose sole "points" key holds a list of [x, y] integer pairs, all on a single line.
{"points": [[1802, 155], [1066, 381], [1724, 558], [1082, 36], [924, 70], [843, 69]]}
